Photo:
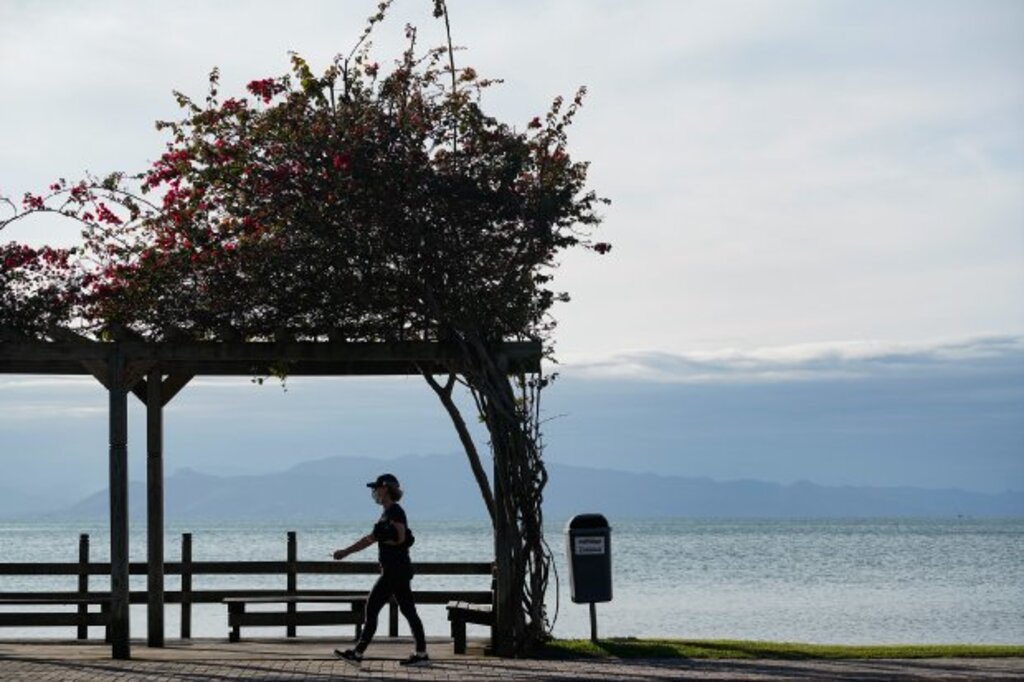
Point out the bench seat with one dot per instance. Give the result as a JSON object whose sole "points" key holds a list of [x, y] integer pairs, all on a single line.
{"points": [[238, 617], [81, 617], [462, 612]]}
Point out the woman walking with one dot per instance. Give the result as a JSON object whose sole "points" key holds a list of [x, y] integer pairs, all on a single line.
{"points": [[393, 538]]}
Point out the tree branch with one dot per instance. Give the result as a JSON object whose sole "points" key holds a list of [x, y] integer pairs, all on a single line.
{"points": [[445, 394]]}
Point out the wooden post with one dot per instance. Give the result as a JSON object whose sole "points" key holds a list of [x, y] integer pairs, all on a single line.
{"points": [[155, 510], [83, 583], [293, 552], [186, 585], [504, 624], [119, 611], [593, 622]]}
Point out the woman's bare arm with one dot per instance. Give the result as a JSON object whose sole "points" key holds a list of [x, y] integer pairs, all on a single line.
{"points": [[357, 546]]}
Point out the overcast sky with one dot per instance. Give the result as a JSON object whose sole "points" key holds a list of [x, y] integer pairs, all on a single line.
{"points": [[792, 182]]}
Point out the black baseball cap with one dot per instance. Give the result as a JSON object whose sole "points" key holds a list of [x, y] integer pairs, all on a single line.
{"points": [[384, 479]]}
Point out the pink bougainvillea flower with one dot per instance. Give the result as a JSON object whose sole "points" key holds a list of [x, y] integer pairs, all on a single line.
{"points": [[341, 161]]}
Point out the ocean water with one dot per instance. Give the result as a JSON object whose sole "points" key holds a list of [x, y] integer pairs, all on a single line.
{"points": [[829, 581]]}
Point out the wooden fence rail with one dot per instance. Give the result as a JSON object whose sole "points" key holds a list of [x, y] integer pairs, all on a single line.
{"points": [[291, 569]]}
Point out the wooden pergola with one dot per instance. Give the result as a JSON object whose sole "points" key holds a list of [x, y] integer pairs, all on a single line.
{"points": [[156, 372]]}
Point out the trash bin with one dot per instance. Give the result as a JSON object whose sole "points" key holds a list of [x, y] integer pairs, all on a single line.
{"points": [[589, 544]]}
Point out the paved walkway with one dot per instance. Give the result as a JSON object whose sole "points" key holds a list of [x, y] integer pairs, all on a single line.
{"points": [[311, 659]]}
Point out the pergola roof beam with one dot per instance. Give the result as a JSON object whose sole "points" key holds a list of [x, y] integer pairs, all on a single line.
{"points": [[215, 358]]}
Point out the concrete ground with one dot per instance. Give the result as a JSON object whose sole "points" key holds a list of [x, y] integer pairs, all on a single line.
{"points": [[312, 659]]}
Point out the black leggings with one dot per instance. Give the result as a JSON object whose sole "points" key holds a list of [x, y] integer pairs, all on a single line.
{"points": [[392, 582]]}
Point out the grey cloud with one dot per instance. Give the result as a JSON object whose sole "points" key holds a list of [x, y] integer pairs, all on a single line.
{"points": [[849, 360]]}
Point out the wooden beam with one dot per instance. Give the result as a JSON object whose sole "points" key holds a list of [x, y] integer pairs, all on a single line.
{"points": [[141, 391], [155, 509], [119, 611], [99, 370], [172, 386], [136, 371], [135, 380], [241, 568], [94, 366], [252, 358], [169, 388]]}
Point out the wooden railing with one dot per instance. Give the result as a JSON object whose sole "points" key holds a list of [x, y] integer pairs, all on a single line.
{"points": [[291, 569]]}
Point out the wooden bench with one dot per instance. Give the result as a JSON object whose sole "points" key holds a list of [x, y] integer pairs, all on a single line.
{"points": [[187, 597], [81, 617], [291, 617], [462, 612]]}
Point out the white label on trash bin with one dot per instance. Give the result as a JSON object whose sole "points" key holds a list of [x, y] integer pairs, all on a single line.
{"points": [[589, 545]]}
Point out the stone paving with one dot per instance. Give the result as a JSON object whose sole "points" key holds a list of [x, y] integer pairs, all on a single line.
{"points": [[312, 659]]}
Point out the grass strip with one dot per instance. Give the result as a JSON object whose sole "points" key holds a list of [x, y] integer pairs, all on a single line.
{"points": [[683, 648]]}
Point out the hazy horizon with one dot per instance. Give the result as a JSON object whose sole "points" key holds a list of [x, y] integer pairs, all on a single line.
{"points": [[942, 416], [441, 487]]}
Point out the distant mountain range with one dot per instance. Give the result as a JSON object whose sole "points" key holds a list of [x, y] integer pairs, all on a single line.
{"points": [[441, 487]]}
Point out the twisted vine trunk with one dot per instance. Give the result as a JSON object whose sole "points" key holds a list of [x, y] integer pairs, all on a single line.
{"points": [[519, 480]]}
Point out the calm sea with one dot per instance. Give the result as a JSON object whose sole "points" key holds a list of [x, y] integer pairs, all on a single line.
{"points": [[847, 581]]}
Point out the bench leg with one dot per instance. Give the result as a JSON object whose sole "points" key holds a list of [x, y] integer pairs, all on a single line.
{"points": [[359, 607], [83, 630], [459, 635], [235, 610], [105, 610]]}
